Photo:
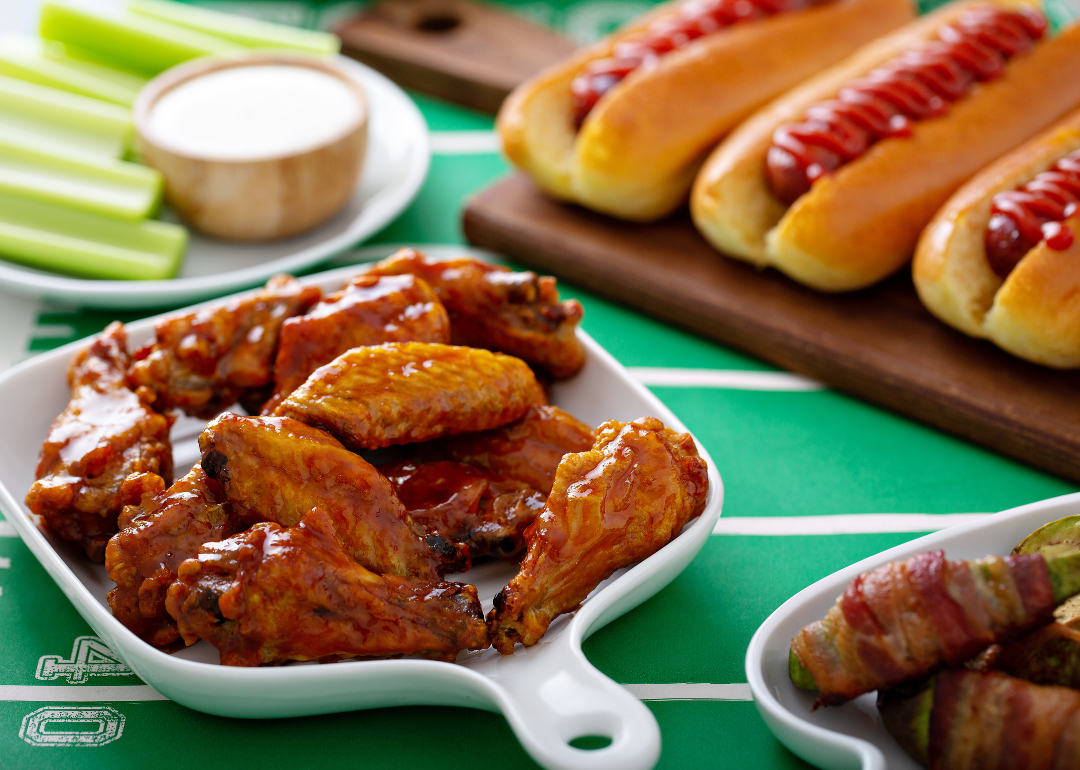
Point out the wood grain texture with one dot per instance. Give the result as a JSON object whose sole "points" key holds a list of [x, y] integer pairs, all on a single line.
{"points": [[458, 50], [878, 344]]}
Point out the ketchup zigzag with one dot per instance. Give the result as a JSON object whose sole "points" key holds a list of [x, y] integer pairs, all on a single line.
{"points": [[917, 85], [1022, 218], [668, 33]]}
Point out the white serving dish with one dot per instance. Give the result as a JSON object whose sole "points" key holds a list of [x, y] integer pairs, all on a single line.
{"points": [[852, 736], [395, 165], [550, 693]]}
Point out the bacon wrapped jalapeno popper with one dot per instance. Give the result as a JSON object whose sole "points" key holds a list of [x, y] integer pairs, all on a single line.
{"points": [[905, 619], [964, 720]]}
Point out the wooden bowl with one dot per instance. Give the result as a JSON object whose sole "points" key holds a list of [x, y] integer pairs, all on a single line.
{"points": [[255, 198]]}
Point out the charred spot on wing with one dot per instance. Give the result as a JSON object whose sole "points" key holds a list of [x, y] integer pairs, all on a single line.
{"points": [[505, 546], [214, 464], [521, 288], [553, 316], [441, 546], [208, 602], [498, 601]]}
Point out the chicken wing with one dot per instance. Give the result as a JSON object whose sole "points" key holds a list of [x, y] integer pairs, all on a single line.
{"points": [[612, 506], [278, 469], [491, 307], [528, 450], [271, 594], [205, 361], [159, 529], [401, 392], [487, 512], [370, 310], [105, 433]]}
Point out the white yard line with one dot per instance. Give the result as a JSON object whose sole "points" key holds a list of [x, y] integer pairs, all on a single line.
{"points": [[695, 691], [730, 379], [54, 331], [79, 694], [464, 143], [841, 523], [6, 530]]}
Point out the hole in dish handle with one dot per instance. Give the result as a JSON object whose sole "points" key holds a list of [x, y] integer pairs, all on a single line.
{"points": [[555, 697]]}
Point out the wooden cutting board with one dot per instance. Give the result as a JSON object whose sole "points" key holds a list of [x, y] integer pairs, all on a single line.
{"points": [[458, 50], [879, 344]]}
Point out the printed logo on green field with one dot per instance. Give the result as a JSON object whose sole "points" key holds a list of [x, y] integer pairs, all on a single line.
{"points": [[72, 726], [89, 657]]}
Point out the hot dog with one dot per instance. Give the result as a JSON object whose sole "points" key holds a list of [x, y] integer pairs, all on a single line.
{"points": [[1001, 259], [833, 182], [623, 126]]}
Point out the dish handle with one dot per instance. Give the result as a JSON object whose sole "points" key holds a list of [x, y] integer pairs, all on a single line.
{"points": [[553, 698]]}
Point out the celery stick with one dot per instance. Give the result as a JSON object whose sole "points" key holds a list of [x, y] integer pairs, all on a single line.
{"points": [[42, 170], [48, 64], [31, 110], [55, 238], [252, 33], [132, 42]]}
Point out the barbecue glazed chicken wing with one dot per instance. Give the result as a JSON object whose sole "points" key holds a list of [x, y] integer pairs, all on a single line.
{"points": [[369, 311], [398, 393], [207, 360], [159, 529], [491, 307], [273, 594], [487, 512], [611, 506], [528, 450], [105, 433], [278, 469]]}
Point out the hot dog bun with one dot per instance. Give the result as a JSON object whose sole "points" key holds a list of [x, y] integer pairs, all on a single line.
{"points": [[638, 150], [862, 223], [1034, 313]]}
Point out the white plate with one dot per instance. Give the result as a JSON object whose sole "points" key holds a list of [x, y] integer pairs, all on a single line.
{"points": [[550, 693], [852, 736], [395, 166]]}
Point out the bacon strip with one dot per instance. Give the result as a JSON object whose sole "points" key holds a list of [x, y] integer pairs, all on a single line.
{"points": [[905, 619], [993, 721]]}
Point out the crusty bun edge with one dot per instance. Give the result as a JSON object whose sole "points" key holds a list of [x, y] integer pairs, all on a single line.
{"points": [[534, 122], [1036, 313]]}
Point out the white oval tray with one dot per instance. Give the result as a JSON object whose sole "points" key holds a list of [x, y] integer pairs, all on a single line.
{"points": [[853, 736], [396, 163], [550, 693]]}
